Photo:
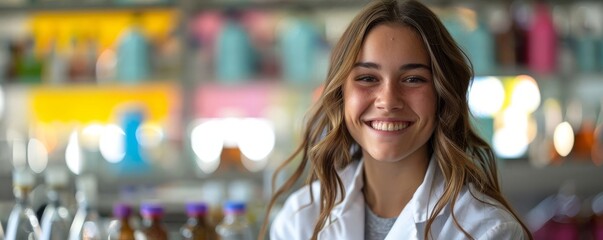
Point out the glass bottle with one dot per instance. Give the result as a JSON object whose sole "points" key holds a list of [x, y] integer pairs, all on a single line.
{"points": [[85, 225], [22, 222], [56, 218], [197, 227], [121, 229], [152, 225], [234, 226]]}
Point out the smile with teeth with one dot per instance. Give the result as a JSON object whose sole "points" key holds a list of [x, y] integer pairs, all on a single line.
{"points": [[388, 126]]}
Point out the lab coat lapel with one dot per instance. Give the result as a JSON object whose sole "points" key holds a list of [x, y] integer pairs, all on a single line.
{"points": [[349, 225], [347, 219], [420, 206]]}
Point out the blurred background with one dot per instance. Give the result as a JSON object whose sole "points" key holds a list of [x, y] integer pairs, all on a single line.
{"points": [[178, 101]]}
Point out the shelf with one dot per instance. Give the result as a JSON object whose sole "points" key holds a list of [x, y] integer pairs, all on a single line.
{"points": [[294, 4], [84, 6]]}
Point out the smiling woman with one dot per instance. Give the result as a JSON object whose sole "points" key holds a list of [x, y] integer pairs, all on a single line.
{"points": [[390, 148]]}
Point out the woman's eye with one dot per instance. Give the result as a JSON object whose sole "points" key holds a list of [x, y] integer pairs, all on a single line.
{"points": [[414, 80], [366, 79]]}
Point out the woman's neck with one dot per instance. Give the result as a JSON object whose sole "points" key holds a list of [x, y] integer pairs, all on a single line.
{"points": [[389, 186]]}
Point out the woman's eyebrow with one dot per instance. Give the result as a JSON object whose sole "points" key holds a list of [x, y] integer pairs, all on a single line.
{"points": [[405, 67]]}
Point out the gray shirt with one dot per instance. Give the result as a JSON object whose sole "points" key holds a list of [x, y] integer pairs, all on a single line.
{"points": [[375, 227]]}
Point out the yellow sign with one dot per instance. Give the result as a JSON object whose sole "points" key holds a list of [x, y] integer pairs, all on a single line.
{"points": [[92, 103]]}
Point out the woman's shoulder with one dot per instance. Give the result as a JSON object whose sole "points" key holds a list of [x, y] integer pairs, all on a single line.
{"points": [[485, 217], [297, 216], [300, 211]]}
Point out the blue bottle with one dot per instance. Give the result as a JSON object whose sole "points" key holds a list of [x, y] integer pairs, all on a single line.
{"points": [[133, 56], [480, 48], [299, 43], [234, 55]]}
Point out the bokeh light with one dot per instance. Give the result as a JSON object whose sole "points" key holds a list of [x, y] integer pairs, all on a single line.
{"points": [[486, 96], [111, 143]]}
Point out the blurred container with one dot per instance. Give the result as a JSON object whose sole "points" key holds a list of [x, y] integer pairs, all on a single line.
{"points": [[235, 60], [55, 67], [133, 55], [22, 222], [152, 222], [586, 30], [542, 41], [86, 223], [234, 226], [197, 226], [481, 51], [4, 59], [56, 218], [121, 229], [299, 45]]}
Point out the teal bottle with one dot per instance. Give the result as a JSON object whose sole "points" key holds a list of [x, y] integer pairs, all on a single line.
{"points": [[234, 54], [133, 63], [480, 48], [299, 45]]}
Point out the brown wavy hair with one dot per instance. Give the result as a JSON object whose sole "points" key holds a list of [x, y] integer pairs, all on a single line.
{"points": [[461, 154]]}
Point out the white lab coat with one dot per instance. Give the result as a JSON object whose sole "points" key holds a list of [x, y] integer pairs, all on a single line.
{"points": [[296, 219]]}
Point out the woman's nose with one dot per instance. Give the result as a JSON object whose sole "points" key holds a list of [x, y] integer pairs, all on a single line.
{"points": [[389, 98]]}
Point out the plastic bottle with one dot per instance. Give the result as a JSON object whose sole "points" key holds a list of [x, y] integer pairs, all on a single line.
{"points": [[133, 64], [299, 42], [542, 41], [234, 226], [22, 222], [234, 53], [56, 217], [86, 221], [121, 229], [152, 225], [197, 227]]}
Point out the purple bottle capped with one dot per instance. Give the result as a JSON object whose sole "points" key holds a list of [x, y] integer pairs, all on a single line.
{"points": [[196, 209], [234, 207], [122, 210], [151, 210]]}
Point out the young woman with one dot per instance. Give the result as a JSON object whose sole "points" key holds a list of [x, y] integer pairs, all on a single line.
{"points": [[389, 146]]}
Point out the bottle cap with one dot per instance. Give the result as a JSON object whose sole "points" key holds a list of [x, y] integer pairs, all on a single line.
{"points": [[196, 209], [151, 209], [234, 207], [23, 177], [122, 210]]}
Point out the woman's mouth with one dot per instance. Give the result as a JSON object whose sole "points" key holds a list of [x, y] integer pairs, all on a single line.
{"points": [[388, 126]]}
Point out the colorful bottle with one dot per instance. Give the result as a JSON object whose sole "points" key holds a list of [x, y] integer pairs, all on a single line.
{"points": [[121, 229], [234, 226], [56, 218], [542, 41], [597, 149], [152, 225], [22, 222], [234, 53], [481, 49], [299, 43], [86, 224], [4, 60], [197, 226], [133, 56]]}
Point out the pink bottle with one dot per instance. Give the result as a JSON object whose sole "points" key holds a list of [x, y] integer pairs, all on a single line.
{"points": [[542, 42]]}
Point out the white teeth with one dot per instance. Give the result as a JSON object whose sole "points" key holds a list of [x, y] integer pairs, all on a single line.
{"points": [[388, 126]]}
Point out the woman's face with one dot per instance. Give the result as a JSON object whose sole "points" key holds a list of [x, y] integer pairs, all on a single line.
{"points": [[389, 96]]}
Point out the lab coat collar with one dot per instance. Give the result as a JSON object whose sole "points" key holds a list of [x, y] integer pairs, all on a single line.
{"points": [[348, 217]]}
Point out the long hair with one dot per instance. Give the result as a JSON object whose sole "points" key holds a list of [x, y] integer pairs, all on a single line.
{"points": [[463, 157]]}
